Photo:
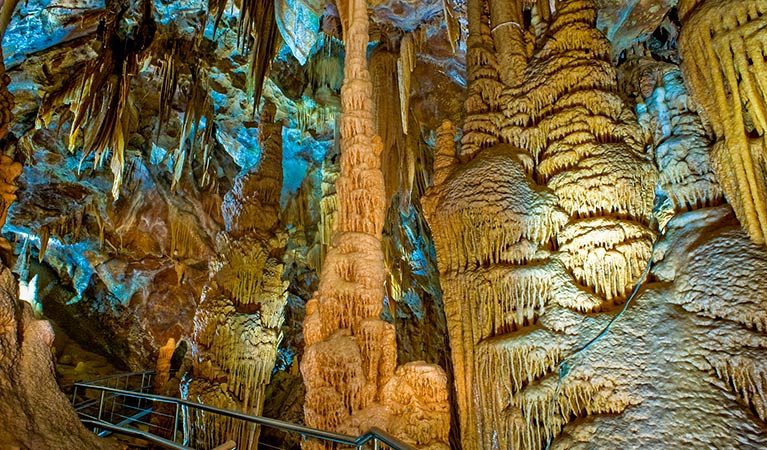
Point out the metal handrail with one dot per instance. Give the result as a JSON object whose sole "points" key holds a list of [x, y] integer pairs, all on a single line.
{"points": [[112, 377], [374, 433], [135, 433]]}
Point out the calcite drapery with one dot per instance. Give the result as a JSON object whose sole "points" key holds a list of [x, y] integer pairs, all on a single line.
{"points": [[239, 318], [722, 50], [549, 154], [350, 355]]}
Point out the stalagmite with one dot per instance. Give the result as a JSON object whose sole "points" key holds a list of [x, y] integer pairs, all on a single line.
{"points": [[550, 153], [350, 353], [722, 49], [239, 318]]}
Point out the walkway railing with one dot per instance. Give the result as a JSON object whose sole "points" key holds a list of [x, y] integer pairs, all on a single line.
{"points": [[123, 404]]}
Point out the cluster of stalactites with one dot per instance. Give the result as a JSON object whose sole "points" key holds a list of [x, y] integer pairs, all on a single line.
{"points": [[681, 142], [722, 52]]}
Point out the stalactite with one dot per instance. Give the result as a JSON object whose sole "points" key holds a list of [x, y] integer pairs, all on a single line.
{"points": [[45, 236], [387, 98], [747, 376], [405, 66], [99, 96], [451, 23], [731, 94], [350, 352]]}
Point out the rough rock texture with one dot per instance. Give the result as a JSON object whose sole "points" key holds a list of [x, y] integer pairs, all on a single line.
{"points": [[35, 413], [706, 359]]}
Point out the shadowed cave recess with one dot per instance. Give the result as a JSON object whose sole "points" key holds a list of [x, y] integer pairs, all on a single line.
{"points": [[472, 224]]}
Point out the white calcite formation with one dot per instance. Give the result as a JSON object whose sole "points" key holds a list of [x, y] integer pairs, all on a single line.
{"points": [[239, 318], [679, 138], [350, 359]]}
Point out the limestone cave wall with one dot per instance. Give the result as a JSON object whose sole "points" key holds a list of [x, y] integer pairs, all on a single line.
{"points": [[475, 224]]}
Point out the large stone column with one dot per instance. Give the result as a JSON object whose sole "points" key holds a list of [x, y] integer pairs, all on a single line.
{"points": [[239, 318], [349, 365], [546, 214]]}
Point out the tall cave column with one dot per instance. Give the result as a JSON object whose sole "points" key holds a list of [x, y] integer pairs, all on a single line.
{"points": [[722, 50], [238, 321], [349, 365], [545, 217]]}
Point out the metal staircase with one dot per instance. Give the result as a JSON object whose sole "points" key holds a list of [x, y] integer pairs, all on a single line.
{"points": [[124, 404]]}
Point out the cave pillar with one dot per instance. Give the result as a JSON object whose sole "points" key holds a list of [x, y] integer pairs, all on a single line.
{"points": [[237, 326], [546, 215], [350, 359]]}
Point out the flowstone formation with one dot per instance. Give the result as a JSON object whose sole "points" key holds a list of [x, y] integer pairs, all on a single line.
{"points": [[239, 318], [349, 365], [544, 212], [721, 46]]}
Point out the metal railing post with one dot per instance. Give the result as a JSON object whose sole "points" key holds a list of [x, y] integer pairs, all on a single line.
{"points": [[100, 425], [175, 423], [114, 397], [101, 409]]}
